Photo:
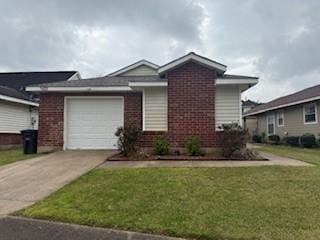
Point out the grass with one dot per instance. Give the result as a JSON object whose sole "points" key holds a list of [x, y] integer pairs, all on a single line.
{"points": [[13, 155], [304, 154], [203, 203]]}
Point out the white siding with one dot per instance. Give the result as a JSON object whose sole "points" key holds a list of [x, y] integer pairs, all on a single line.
{"points": [[14, 117], [155, 113], [140, 71], [227, 105]]}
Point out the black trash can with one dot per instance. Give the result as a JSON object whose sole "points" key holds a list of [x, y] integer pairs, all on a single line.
{"points": [[29, 140]]}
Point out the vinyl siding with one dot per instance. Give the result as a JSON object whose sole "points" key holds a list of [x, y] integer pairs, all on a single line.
{"points": [[227, 107], [293, 122], [155, 103], [251, 124], [140, 71], [14, 117]]}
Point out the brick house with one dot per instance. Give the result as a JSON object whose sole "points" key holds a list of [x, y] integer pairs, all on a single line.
{"points": [[190, 96]]}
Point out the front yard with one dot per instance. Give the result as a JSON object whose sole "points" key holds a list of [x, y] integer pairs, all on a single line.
{"points": [[13, 155], [216, 203]]}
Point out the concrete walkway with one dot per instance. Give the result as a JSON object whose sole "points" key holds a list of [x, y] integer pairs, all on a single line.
{"points": [[273, 161], [16, 228], [25, 182]]}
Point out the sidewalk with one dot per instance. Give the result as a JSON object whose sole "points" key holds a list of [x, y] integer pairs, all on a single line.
{"points": [[273, 161]]}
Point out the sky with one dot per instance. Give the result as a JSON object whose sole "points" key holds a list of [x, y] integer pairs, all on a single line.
{"points": [[278, 41]]}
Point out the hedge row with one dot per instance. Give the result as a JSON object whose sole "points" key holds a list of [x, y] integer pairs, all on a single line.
{"points": [[307, 140]]}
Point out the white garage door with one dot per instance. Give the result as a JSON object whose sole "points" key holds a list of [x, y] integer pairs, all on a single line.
{"points": [[92, 122]]}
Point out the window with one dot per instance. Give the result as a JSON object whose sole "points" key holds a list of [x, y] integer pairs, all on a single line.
{"points": [[270, 125], [280, 119], [310, 113]]}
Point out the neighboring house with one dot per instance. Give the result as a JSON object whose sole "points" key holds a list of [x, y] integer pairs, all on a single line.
{"points": [[249, 122], [291, 115], [190, 96], [248, 105], [18, 108]]}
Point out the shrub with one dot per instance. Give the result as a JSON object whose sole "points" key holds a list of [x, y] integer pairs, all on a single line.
{"points": [[193, 146], [127, 139], [162, 146], [308, 140], [274, 139], [293, 141], [263, 137], [257, 138], [234, 138]]}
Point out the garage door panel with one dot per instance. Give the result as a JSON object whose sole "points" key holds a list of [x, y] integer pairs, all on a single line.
{"points": [[92, 122]]}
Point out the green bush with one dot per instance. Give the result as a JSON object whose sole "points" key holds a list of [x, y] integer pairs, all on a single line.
{"points": [[308, 140], [234, 139], [274, 139], [193, 146], [161, 146], [127, 139], [293, 141], [257, 138], [263, 137]]}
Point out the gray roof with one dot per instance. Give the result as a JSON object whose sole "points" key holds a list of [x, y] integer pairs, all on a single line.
{"points": [[103, 81], [10, 92], [18, 80], [302, 95]]}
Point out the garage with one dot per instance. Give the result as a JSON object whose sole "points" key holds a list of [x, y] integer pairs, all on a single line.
{"points": [[90, 122]]}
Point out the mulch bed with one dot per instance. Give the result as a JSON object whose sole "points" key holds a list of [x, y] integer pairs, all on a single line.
{"points": [[119, 157]]}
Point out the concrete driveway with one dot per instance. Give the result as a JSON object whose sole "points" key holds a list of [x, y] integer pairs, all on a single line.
{"points": [[26, 182]]}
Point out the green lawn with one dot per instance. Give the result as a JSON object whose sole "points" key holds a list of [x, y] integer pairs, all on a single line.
{"points": [[13, 155], [307, 155], [217, 203]]}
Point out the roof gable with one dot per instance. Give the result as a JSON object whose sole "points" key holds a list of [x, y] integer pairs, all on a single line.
{"points": [[140, 68], [195, 58]]}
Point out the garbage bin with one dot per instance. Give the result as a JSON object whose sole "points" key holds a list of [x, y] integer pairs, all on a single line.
{"points": [[29, 140]]}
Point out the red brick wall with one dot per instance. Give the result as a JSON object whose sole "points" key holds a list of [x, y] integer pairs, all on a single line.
{"points": [[51, 112], [191, 97], [7, 139]]}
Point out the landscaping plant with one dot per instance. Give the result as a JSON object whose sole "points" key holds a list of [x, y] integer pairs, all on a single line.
{"points": [[274, 139], [193, 146], [127, 139], [293, 141], [257, 138], [162, 146], [234, 138], [308, 140]]}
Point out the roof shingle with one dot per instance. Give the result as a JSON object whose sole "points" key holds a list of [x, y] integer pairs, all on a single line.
{"points": [[302, 95], [102, 81]]}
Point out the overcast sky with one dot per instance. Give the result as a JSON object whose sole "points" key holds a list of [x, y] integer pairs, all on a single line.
{"points": [[278, 41]]}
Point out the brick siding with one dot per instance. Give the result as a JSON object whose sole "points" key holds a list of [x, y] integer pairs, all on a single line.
{"points": [[8, 139], [191, 97]]}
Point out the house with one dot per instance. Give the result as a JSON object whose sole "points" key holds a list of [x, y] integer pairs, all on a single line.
{"points": [[189, 96], [248, 105], [18, 108], [250, 122], [291, 115]]}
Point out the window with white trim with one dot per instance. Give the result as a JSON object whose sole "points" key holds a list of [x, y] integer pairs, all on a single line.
{"points": [[310, 113], [270, 125], [280, 119]]}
